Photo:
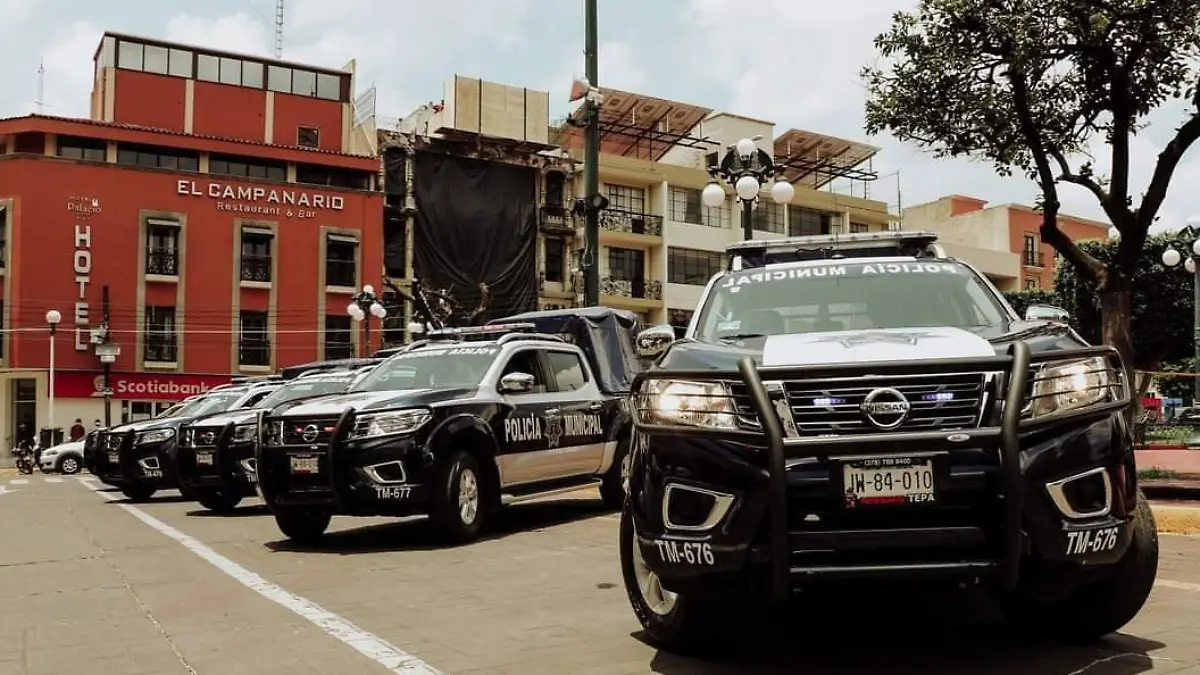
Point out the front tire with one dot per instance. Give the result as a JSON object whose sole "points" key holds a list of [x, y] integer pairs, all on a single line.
{"points": [[457, 509], [219, 501], [612, 484], [1104, 606], [303, 525], [683, 621]]}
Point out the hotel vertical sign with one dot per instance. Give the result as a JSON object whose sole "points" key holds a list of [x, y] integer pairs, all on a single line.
{"points": [[83, 208]]}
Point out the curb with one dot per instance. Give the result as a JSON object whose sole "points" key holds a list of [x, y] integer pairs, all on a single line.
{"points": [[1171, 488]]}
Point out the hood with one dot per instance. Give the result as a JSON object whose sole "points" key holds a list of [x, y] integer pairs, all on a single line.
{"points": [[144, 425], [365, 401], [855, 346], [221, 419]]}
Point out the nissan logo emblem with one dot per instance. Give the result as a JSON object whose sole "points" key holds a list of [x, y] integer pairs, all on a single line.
{"points": [[885, 408], [208, 437], [310, 433]]}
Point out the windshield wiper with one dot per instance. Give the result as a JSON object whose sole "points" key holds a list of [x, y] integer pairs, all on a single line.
{"points": [[741, 336]]}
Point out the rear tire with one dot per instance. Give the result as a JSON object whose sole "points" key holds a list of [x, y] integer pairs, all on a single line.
{"points": [[684, 622], [1101, 607], [69, 465], [138, 493], [303, 525], [219, 501], [612, 484], [458, 505]]}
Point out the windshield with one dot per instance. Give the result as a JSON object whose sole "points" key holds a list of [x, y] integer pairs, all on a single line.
{"points": [[302, 389], [213, 403], [848, 296], [444, 367]]}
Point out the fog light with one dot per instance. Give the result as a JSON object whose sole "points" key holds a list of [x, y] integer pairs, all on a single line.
{"points": [[149, 463], [693, 509], [1084, 495], [387, 473]]}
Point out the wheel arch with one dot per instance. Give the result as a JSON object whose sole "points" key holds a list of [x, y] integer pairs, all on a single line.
{"points": [[472, 435]]}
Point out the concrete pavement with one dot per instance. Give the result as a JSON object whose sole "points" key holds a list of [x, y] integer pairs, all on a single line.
{"points": [[88, 585]]}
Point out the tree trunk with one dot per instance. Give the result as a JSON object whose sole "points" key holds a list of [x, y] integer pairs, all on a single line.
{"points": [[1116, 313]]}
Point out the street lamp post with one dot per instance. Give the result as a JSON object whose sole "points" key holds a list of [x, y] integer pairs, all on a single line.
{"points": [[53, 318], [747, 168], [364, 305], [1171, 258]]}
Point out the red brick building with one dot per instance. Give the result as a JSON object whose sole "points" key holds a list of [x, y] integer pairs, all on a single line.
{"points": [[216, 199]]}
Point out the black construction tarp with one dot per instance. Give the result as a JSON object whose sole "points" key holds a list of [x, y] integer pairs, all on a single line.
{"points": [[476, 235], [604, 334]]}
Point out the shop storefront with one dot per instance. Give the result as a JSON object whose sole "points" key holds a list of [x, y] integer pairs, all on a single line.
{"points": [[135, 396]]}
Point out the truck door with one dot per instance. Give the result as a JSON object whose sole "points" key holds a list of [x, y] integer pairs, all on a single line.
{"points": [[576, 441], [523, 444]]}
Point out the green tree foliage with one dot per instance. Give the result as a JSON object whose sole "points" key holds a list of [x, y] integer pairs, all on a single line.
{"points": [[1162, 304], [1026, 85]]}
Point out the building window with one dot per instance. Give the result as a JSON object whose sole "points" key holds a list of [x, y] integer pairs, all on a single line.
{"points": [[687, 207], [395, 247], [130, 154], [625, 198], [252, 74], [208, 68], [768, 217], [129, 55], [162, 248], [337, 338], [75, 147], [1031, 252], [256, 255], [556, 259], [395, 323], [304, 82], [802, 221], [859, 228], [158, 336], [243, 167], [279, 79], [179, 62], [626, 264], [691, 266], [309, 174], [340, 266], [1031, 283], [329, 87], [254, 345], [3, 236], [231, 71], [308, 137], [556, 189], [155, 60]]}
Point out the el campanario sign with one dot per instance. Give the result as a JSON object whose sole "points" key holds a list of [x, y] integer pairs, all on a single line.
{"points": [[262, 200]]}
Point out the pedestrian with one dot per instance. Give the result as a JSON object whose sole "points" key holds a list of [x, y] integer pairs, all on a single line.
{"points": [[96, 425], [77, 430]]}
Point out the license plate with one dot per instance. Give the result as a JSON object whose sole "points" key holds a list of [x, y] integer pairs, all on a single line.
{"points": [[113, 457], [204, 459], [882, 481], [305, 464]]}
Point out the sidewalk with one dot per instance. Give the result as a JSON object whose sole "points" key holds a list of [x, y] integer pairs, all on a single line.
{"points": [[1180, 471]]}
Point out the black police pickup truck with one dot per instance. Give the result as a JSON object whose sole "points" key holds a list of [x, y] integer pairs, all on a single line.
{"points": [[866, 407], [215, 454], [138, 458], [455, 426]]}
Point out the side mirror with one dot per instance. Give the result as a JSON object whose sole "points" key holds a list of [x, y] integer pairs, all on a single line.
{"points": [[1046, 313], [516, 383], [654, 341], [416, 328]]}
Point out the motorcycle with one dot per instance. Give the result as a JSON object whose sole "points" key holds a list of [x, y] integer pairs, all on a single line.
{"points": [[25, 458]]}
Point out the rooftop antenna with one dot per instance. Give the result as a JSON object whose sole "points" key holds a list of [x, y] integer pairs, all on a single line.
{"points": [[41, 86], [279, 29]]}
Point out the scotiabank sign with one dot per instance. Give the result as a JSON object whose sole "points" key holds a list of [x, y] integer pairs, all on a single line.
{"points": [[135, 386]]}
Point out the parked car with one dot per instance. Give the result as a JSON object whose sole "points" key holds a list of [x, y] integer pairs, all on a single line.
{"points": [[454, 426], [65, 458], [865, 407]]}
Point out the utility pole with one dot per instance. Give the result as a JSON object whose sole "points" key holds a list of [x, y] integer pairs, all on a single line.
{"points": [[107, 362], [591, 166]]}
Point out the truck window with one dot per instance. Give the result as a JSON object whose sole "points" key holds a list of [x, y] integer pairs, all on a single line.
{"points": [[526, 361], [567, 370]]}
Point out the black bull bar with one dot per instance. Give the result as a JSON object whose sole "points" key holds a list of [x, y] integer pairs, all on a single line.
{"points": [[762, 384]]}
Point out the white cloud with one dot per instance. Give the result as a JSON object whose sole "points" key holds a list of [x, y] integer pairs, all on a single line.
{"points": [[69, 70], [239, 33]]}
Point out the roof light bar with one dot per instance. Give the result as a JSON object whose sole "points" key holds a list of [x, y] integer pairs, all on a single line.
{"points": [[479, 332], [760, 252]]}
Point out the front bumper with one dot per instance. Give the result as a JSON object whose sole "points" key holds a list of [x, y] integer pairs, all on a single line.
{"points": [[385, 476], [705, 503], [225, 466], [117, 461]]}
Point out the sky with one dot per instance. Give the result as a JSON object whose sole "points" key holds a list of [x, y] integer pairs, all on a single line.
{"points": [[794, 63]]}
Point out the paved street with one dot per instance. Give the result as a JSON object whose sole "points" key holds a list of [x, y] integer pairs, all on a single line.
{"points": [[88, 585]]}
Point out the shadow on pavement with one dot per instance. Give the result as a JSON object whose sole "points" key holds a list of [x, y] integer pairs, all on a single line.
{"points": [[257, 510], [418, 533], [902, 632]]}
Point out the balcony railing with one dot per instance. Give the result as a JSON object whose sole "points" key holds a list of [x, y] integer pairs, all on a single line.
{"points": [[619, 220], [254, 353], [162, 262], [556, 219], [256, 268], [338, 349], [340, 273], [1033, 259], [631, 288], [160, 350]]}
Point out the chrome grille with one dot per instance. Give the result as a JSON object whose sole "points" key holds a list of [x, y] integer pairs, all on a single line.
{"points": [[113, 441], [294, 428], [198, 437], [834, 406]]}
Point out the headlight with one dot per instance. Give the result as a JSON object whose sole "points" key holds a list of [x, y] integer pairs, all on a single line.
{"points": [[155, 436], [693, 404], [245, 433], [388, 423], [1070, 385]]}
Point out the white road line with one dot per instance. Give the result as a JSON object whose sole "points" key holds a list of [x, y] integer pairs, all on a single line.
{"points": [[19, 481], [53, 479], [370, 646], [1178, 585]]}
